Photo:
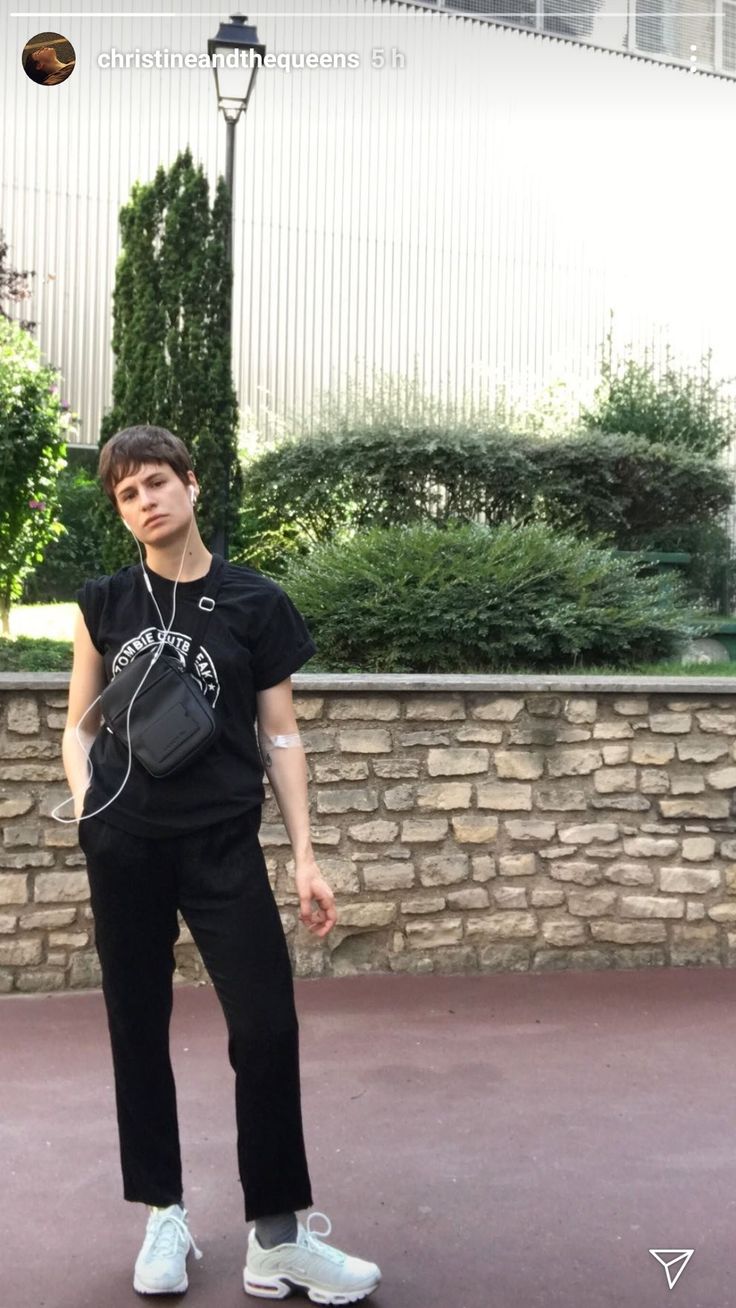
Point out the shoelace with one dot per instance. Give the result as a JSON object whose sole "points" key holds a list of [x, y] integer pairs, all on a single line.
{"points": [[167, 1227], [311, 1241]]}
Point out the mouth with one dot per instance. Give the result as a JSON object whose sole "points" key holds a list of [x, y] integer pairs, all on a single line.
{"points": [[158, 518]]}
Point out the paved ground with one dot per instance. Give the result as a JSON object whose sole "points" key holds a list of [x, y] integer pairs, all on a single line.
{"points": [[491, 1141]]}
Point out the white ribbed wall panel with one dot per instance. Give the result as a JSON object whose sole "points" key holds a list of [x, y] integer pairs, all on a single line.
{"points": [[481, 209]]}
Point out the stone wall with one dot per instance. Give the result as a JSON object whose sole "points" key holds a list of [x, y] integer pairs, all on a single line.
{"points": [[465, 823]]}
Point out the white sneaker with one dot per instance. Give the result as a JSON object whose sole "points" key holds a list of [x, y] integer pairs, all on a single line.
{"points": [[327, 1274], [161, 1265]]}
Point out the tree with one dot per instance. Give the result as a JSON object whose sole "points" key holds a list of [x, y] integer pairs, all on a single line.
{"points": [[32, 453], [171, 333], [13, 285]]}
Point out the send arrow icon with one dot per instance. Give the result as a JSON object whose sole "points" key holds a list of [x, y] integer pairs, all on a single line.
{"points": [[679, 1256]]}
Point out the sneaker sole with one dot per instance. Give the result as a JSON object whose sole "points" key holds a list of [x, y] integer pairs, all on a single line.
{"points": [[280, 1287], [171, 1289]]}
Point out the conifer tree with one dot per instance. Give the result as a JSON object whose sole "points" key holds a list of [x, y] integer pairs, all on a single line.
{"points": [[171, 336]]}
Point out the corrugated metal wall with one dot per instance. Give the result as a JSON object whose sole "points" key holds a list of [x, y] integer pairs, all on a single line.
{"points": [[478, 210]]}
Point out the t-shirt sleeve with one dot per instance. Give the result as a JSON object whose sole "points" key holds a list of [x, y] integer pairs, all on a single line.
{"points": [[283, 644], [90, 600]]}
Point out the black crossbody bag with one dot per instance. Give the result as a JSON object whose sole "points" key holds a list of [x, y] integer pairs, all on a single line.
{"points": [[171, 722]]}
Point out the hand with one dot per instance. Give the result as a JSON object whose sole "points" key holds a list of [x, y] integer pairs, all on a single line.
{"points": [[311, 885]]}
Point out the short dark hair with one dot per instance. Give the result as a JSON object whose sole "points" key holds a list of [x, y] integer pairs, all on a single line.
{"points": [[128, 449]]}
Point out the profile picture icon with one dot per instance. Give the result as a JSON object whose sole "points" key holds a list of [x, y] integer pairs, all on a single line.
{"points": [[48, 58]]}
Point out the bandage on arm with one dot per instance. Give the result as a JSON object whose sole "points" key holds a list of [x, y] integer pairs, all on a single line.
{"points": [[289, 740]]}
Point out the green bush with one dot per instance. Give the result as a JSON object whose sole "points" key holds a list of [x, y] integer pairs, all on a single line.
{"points": [[310, 490], [78, 552], [682, 406], [476, 599], [634, 491], [35, 654]]}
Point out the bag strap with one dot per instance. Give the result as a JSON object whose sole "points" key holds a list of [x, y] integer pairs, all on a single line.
{"points": [[205, 606]]}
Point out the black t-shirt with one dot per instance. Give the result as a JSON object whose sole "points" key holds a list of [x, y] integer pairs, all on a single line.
{"points": [[255, 637]]}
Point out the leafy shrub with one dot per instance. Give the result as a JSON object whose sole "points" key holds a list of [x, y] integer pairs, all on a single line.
{"points": [[309, 490], [629, 488], [35, 654], [77, 553], [680, 406], [478, 599]]}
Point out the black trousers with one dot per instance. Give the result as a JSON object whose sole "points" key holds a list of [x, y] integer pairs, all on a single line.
{"points": [[217, 877]]}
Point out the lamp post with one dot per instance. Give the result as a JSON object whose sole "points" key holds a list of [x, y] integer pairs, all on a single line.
{"points": [[234, 54]]}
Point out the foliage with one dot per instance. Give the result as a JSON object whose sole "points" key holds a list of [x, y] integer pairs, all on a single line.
{"points": [[32, 453], [628, 487], [681, 406], [474, 599], [35, 654], [171, 334], [79, 551], [311, 488], [14, 287]]}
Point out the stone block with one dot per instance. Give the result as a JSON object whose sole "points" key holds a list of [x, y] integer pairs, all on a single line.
{"points": [[652, 753], [689, 880], [705, 806], [615, 754], [654, 781], [23, 716], [650, 846], [693, 750], [718, 721], [15, 804], [472, 897], [585, 874], [529, 829], [388, 876], [366, 917], [521, 765], [504, 958], [444, 869], [41, 980], [546, 897], [372, 708], [347, 801], [13, 889], [505, 795], [679, 724], [503, 925], [698, 848], [563, 931], [686, 784], [457, 762], [612, 730], [504, 709], [474, 828], [629, 874], [365, 740], [428, 933], [609, 781], [631, 706], [517, 865], [21, 952], [444, 795], [378, 831], [424, 830], [629, 933], [61, 887], [585, 832], [509, 897], [423, 904], [650, 906], [435, 708], [560, 798], [580, 709], [722, 778], [591, 903], [399, 797], [484, 867], [573, 762]]}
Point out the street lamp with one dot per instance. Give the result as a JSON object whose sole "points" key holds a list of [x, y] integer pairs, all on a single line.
{"points": [[235, 55]]}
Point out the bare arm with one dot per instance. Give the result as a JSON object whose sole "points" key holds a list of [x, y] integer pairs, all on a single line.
{"points": [[86, 683], [286, 769]]}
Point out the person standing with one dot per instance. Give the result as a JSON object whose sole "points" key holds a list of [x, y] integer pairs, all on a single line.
{"points": [[188, 842]]}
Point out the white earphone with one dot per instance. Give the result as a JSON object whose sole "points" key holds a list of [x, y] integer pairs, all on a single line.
{"points": [[161, 643]]}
